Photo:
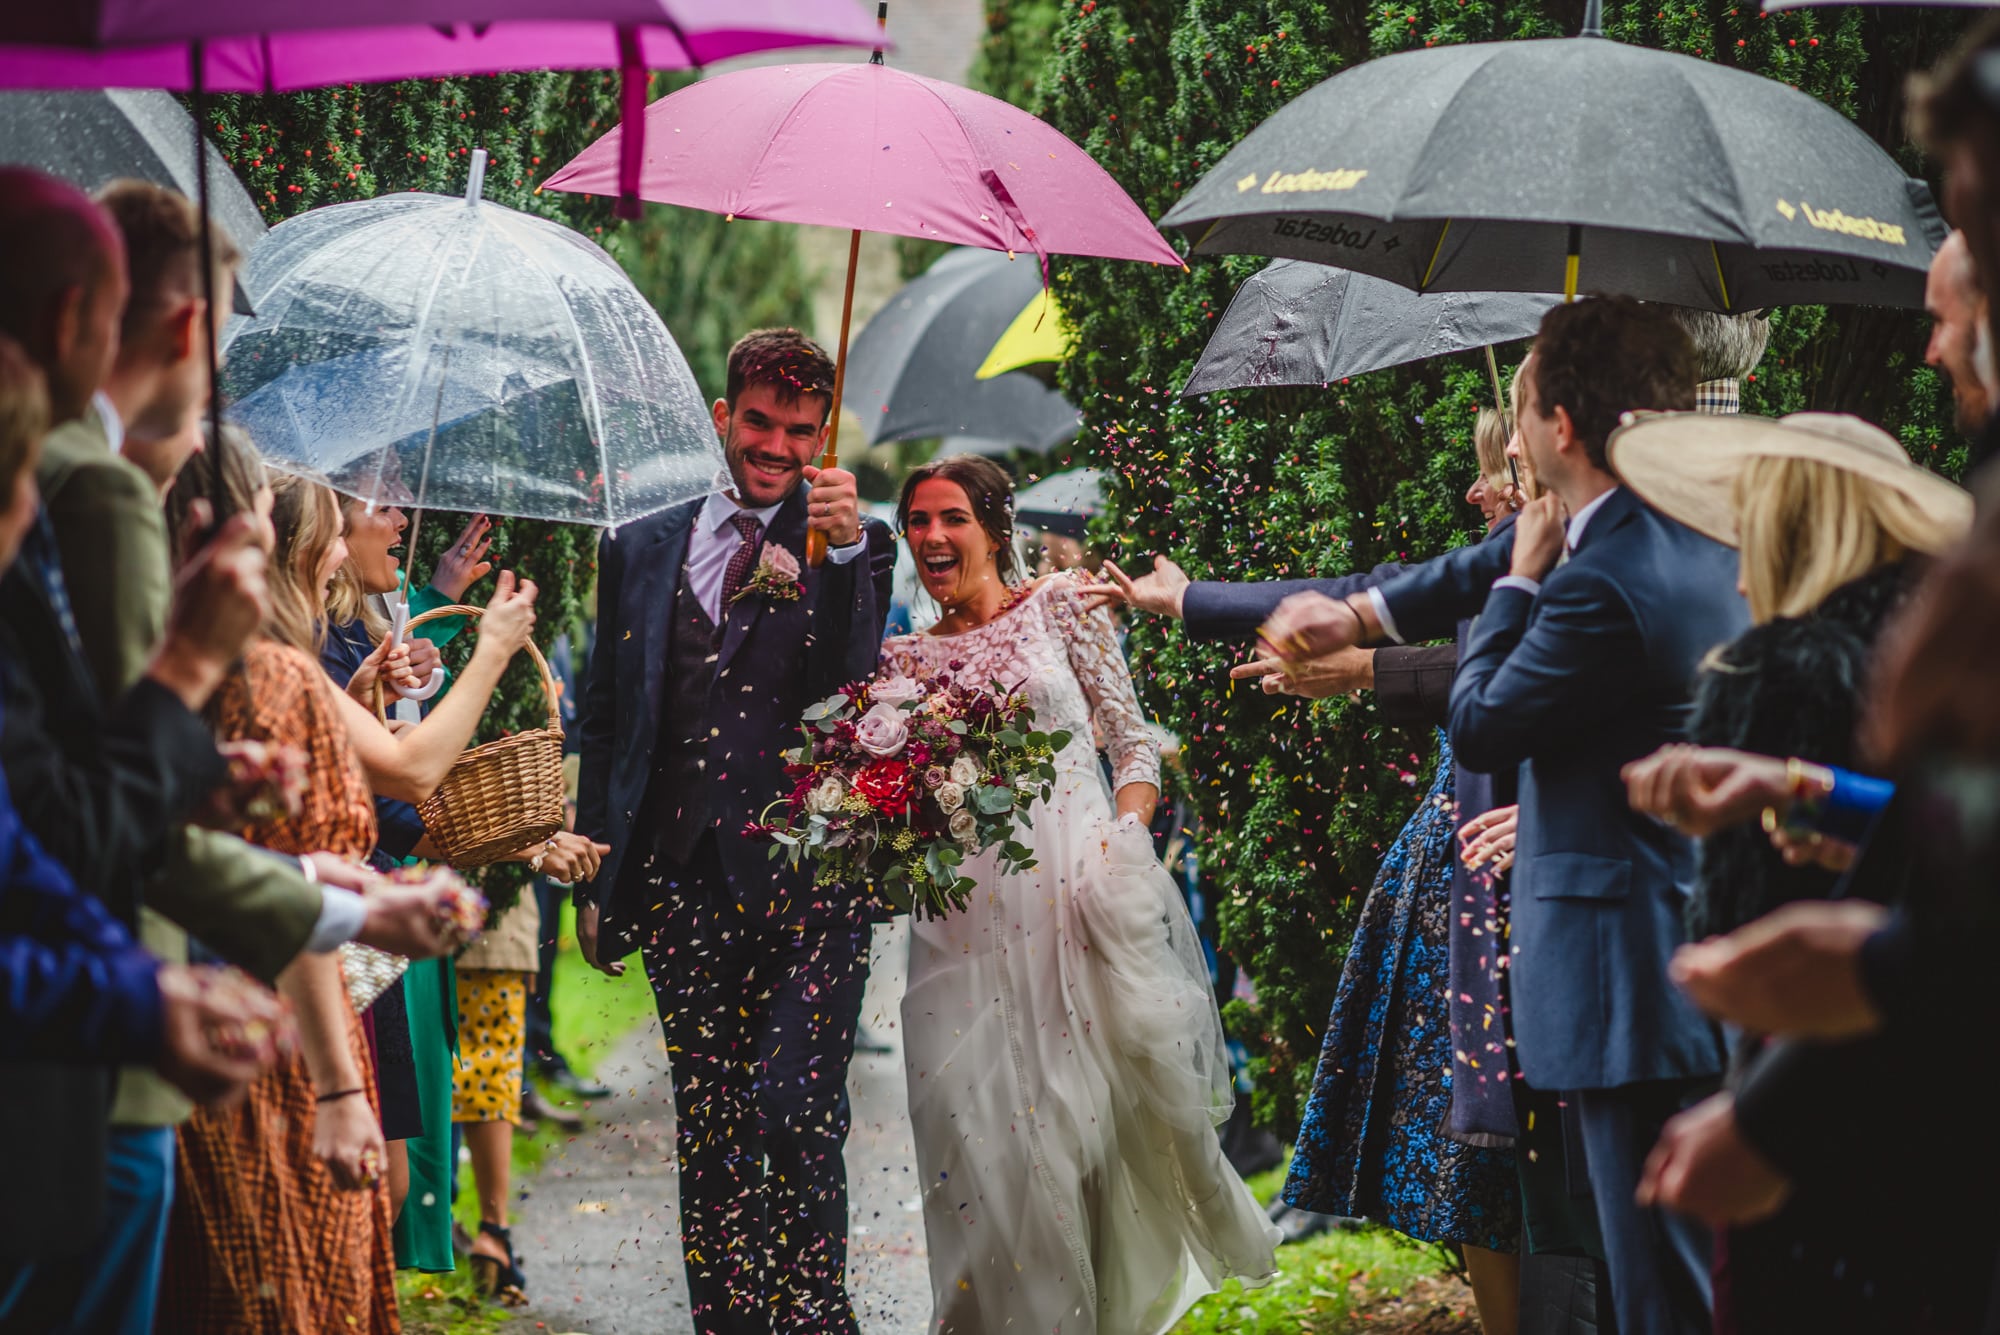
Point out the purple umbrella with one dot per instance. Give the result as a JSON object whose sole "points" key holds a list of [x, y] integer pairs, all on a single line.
{"points": [[873, 149]]}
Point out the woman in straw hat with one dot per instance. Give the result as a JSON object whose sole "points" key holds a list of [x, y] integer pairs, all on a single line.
{"points": [[1830, 518]]}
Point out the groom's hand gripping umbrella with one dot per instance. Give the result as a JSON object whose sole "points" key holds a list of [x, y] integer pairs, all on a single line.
{"points": [[868, 148]]}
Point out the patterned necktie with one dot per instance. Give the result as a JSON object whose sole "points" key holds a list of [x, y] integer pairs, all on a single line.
{"points": [[740, 561], [41, 555]]}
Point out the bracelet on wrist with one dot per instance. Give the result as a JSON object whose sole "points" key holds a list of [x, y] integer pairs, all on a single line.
{"points": [[340, 1094]]}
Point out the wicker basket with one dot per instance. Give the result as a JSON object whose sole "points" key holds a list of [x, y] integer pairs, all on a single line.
{"points": [[505, 795]]}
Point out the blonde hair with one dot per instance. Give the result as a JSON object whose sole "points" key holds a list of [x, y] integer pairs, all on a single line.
{"points": [[346, 600], [1489, 442], [307, 519], [1804, 528]]}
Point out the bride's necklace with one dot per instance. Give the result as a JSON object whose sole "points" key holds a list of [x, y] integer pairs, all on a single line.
{"points": [[1008, 602]]}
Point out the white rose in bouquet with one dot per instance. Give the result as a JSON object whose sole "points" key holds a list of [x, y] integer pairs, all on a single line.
{"points": [[882, 731], [964, 826], [965, 771], [950, 797], [826, 797], [896, 691]]}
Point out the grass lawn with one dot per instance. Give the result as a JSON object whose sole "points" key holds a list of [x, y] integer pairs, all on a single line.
{"points": [[593, 1014], [1371, 1280]]}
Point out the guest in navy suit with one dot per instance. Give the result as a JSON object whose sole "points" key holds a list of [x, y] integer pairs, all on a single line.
{"points": [[706, 654], [1570, 673]]}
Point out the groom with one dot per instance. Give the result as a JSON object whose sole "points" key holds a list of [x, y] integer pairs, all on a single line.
{"points": [[710, 643]]}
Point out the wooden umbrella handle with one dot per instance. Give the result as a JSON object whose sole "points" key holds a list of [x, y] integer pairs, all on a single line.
{"points": [[816, 538]]}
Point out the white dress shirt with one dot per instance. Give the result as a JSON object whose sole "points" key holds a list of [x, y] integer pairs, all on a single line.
{"points": [[714, 540], [1573, 534], [108, 418]]}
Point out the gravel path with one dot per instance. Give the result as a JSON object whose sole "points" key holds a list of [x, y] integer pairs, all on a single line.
{"points": [[597, 1230]]}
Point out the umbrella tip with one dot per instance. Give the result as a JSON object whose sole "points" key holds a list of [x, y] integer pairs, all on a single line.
{"points": [[1593, 19], [475, 181], [881, 31]]}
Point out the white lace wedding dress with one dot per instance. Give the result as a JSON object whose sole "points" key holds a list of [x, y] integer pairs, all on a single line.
{"points": [[1065, 1060]]}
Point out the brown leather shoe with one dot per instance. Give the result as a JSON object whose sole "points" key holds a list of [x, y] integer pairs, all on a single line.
{"points": [[536, 1108]]}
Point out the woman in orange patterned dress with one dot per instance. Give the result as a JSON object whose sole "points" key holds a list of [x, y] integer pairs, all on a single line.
{"points": [[281, 1212]]}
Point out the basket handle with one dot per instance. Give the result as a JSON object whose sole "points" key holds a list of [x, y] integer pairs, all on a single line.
{"points": [[541, 663]]}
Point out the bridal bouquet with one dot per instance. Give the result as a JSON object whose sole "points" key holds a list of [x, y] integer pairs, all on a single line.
{"points": [[900, 780]]}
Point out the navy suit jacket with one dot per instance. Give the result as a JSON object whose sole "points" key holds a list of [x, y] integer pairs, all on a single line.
{"points": [[776, 658], [1428, 601], [1570, 685]]}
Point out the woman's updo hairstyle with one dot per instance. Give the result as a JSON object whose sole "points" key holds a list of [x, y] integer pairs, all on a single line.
{"points": [[991, 492]]}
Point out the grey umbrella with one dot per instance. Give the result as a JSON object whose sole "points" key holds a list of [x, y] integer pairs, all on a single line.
{"points": [[1062, 502], [1573, 164], [911, 372], [1298, 323], [89, 138]]}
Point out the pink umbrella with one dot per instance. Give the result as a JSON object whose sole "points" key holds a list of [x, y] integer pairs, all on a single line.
{"points": [[265, 46], [873, 149]]}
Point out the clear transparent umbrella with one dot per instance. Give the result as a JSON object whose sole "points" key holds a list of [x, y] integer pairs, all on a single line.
{"points": [[468, 355]]}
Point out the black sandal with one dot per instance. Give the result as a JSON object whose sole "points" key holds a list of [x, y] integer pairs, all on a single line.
{"points": [[494, 1278]]}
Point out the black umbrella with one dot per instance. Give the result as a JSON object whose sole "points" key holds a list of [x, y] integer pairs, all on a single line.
{"points": [[1062, 502], [912, 371], [1574, 163], [89, 138], [1297, 323]]}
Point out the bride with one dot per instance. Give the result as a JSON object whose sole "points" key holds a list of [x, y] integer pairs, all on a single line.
{"points": [[1065, 1060]]}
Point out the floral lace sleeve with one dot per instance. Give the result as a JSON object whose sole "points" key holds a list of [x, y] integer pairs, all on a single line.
{"points": [[1099, 664]]}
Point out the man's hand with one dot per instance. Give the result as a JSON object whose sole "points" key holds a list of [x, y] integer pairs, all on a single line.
{"points": [[1160, 592], [1344, 672], [1538, 538], [1310, 625], [464, 563], [1703, 1167], [586, 942], [1701, 789], [1795, 972], [220, 602], [266, 783], [419, 920], [219, 1032], [834, 507]]}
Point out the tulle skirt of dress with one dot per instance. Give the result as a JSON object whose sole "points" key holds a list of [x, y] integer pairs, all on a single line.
{"points": [[1066, 1074]]}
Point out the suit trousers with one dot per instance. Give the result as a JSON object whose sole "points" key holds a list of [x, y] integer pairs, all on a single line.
{"points": [[114, 1288], [1660, 1262], [759, 1021]]}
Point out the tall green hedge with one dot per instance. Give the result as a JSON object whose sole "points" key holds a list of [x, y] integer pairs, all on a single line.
{"points": [[709, 279], [1297, 800]]}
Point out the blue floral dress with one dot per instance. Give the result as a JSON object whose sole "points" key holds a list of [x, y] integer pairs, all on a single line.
{"points": [[1372, 1144]]}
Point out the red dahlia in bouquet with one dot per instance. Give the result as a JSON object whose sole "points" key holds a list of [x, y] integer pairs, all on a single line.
{"points": [[901, 779]]}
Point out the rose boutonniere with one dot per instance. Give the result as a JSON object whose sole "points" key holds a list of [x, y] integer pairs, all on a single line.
{"points": [[776, 577]]}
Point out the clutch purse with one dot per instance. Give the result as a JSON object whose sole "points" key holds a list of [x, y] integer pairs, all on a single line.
{"points": [[369, 973]]}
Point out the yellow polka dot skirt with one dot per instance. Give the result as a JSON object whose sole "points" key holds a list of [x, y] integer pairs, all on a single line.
{"points": [[492, 1029]]}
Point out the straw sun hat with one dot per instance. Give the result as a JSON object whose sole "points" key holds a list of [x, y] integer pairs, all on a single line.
{"points": [[1685, 465]]}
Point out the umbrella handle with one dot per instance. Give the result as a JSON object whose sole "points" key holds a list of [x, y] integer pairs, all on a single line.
{"points": [[399, 618], [816, 538]]}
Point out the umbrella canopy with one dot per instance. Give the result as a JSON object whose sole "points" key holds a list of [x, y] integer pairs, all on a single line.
{"points": [[257, 46], [90, 138], [483, 359], [1296, 323], [912, 373], [1062, 503], [1574, 164], [1038, 336], [873, 149]]}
